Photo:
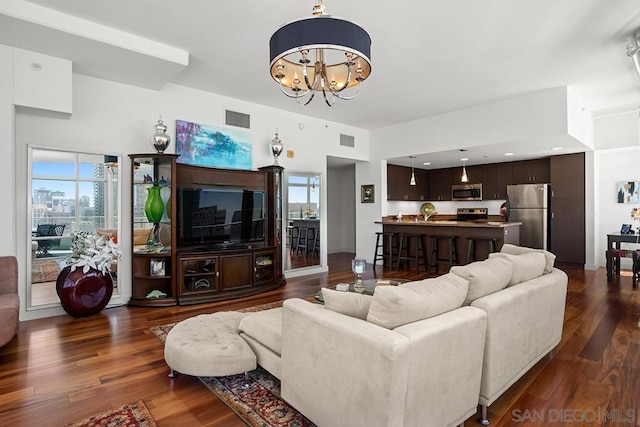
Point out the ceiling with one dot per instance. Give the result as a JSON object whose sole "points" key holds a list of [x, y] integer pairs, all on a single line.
{"points": [[428, 56]]}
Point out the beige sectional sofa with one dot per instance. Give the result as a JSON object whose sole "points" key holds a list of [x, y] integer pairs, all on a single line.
{"points": [[421, 354]]}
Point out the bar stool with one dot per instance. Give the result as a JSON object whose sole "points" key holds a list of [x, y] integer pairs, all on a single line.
{"points": [[293, 237], [435, 256], [316, 241], [386, 256], [302, 242], [471, 246], [412, 242]]}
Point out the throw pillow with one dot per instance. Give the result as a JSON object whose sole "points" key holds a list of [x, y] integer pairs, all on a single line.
{"points": [[348, 303], [393, 306], [526, 266], [485, 277], [517, 250]]}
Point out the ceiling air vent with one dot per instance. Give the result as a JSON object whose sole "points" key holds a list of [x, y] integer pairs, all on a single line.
{"points": [[241, 120], [347, 140]]}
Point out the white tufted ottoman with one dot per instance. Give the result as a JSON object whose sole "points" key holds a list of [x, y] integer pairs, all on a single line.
{"points": [[209, 345]]}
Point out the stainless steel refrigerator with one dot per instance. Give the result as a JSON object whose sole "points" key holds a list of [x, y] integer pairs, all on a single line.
{"points": [[529, 204]]}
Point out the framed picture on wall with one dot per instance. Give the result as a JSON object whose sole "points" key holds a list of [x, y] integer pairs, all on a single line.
{"points": [[367, 194], [628, 192]]}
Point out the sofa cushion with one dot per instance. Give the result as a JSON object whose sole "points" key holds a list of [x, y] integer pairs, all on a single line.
{"points": [[393, 306], [485, 277], [348, 303], [517, 250], [526, 266], [265, 327]]}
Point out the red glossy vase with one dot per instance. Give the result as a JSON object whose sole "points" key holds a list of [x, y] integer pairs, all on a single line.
{"points": [[83, 294]]}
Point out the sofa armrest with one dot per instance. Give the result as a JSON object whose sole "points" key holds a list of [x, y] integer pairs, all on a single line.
{"points": [[524, 323], [445, 367], [339, 370], [8, 275]]}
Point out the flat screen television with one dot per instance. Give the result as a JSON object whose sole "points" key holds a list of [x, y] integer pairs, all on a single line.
{"points": [[215, 217]]}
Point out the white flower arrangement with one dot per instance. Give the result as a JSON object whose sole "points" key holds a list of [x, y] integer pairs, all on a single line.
{"points": [[93, 251]]}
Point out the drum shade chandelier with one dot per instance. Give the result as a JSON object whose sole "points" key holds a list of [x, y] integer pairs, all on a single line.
{"points": [[321, 53]]}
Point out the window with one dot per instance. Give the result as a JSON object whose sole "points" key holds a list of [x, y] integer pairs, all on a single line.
{"points": [[69, 192]]}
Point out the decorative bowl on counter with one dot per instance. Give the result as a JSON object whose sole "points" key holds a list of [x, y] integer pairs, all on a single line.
{"points": [[427, 209]]}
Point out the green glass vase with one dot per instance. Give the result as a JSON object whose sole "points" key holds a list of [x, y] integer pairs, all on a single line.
{"points": [[154, 207]]}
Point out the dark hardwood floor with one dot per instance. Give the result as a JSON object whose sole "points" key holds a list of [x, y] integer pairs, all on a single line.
{"points": [[60, 369]]}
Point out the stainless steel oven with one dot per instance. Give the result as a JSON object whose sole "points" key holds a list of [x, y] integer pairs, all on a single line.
{"points": [[466, 192]]}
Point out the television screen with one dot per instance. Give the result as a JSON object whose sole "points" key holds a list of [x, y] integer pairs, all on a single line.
{"points": [[214, 216]]}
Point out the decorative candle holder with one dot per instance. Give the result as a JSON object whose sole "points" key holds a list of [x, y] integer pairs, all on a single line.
{"points": [[358, 267]]}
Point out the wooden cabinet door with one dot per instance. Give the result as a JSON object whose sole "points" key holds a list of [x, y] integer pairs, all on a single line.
{"points": [[489, 181], [504, 172], [236, 272], [531, 171], [398, 178], [495, 178], [568, 230], [420, 192], [540, 170], [567, 175], [440, 181], [522, 172]]}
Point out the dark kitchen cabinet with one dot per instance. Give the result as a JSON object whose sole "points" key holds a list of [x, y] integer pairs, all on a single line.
{"points": [[495, 178], [398, 178], [536, 171], [440, 181], [420, 192], [398, 184], [568, 221]]}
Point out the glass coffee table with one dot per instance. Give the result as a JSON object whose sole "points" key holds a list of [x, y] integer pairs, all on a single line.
{"points": [[369, 286]]}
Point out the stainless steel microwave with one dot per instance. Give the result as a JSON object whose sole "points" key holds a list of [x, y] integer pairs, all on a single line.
{"points": [[466, 192]]}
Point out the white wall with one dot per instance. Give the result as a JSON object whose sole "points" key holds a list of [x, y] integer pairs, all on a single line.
{"points": [[7, 171], [116, 118], [613, 166], [531, 117]]}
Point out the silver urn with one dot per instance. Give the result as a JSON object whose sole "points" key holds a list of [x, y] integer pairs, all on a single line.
{"points": [[276, 149], [160, 139]]}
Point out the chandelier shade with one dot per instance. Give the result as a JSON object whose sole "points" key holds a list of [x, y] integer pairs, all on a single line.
{"points": [[320, 54]]}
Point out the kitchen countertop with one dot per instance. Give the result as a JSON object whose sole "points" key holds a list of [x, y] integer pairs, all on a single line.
{"points": [[450, 223]]}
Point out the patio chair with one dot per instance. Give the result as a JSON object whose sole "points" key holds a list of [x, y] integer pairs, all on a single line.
{"points": [[45, 230]]}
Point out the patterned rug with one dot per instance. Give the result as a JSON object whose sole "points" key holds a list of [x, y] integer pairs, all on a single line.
{"points": [[44, 270], [134, 415], [259, 404]]}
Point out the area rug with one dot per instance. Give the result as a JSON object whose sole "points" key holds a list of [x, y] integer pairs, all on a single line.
{"points": [[257, 402], [44, 270], [134, 415]]}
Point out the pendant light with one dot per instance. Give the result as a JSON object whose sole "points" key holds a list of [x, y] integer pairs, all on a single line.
{"points": [[413, 176], [464, 177]]}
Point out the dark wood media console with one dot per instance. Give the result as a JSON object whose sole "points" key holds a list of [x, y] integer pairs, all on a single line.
{"points": [[197, 272]]}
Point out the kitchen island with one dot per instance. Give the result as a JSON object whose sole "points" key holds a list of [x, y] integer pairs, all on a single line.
{"points": [[502, 232]]}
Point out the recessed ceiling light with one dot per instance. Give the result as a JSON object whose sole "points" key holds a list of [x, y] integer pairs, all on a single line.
{"points": [[464, 159], [508, 154], [426, 163], [556, 149]]}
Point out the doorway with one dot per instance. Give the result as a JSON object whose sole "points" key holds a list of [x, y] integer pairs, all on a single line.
{"points": [[303, 214]]}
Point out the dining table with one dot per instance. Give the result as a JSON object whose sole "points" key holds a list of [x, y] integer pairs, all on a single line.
{"points": [[614, 241]]}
